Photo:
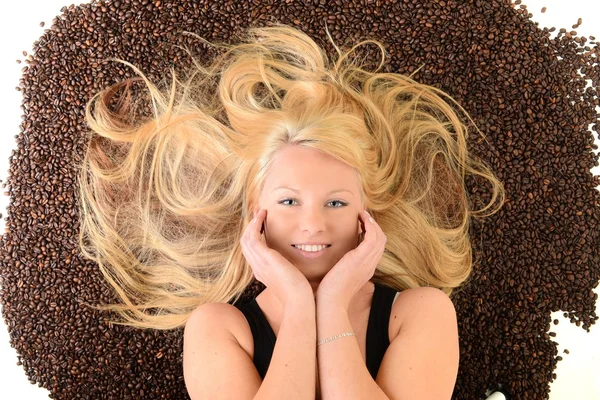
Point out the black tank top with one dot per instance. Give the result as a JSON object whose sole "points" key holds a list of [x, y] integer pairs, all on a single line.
{"points": [[377, 331]]}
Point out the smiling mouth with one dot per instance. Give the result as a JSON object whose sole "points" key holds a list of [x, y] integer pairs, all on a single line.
{"points": [[311, 254], [295, 246]]}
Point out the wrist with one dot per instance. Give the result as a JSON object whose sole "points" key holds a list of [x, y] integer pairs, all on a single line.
{"points": [[327, 304], [302, 299], [327, 313]]}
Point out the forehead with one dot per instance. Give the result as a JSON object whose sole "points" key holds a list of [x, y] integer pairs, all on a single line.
{"points": [[306, 166]]}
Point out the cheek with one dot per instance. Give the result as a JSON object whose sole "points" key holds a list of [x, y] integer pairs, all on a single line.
{"points": [[276, 231]]}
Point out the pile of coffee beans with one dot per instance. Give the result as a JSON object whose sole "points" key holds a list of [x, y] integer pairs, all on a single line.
{"points": [[525, 91]]}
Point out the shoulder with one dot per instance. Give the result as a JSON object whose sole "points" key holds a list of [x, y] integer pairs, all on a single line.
{"points": [[418, 303], [422, 360], [226, 317], [424, 292]]}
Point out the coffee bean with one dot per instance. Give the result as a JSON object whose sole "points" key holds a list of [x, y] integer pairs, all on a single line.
{"points": [[537, 255]]}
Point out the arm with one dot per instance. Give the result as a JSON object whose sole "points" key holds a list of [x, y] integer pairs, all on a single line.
{"points": [[215, 366], [342, 370], [420, 363], [422, 360], [291, 373]]}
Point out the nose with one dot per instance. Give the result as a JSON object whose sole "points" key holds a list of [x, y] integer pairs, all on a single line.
{"points": [[312, 221]]}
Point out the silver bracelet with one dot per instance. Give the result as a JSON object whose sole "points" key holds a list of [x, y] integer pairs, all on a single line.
{"points": [[336, 337]]}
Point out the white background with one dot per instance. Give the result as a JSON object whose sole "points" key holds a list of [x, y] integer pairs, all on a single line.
{"points": [[577, 373]]}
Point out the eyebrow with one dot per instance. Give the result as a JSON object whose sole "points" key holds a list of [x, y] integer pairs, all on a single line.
{"points": [[331, 192]]}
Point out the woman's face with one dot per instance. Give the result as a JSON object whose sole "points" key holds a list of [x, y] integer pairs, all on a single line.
{"points": [[310, 197]]}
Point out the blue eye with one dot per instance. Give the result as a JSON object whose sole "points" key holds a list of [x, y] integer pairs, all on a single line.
{"points": [[343, 204], [283, 201]]}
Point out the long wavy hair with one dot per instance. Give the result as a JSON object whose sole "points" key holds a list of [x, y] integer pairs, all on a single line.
{"points": [[170, 175]]}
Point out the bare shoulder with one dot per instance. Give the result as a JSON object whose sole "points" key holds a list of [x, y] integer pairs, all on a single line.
{"points": [[422, 361], [229, 318], [414, 303]]}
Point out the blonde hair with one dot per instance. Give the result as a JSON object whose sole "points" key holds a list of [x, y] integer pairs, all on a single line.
{"points": [[165, 196]]}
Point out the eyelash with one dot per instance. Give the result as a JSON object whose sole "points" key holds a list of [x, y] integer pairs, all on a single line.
{"points": [[343, 203]]}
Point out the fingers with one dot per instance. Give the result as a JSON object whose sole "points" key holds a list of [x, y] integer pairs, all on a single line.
{"points": [[255, 228], [251, 241], [251, 233], [259, 221], [368, 224], [371, 229]]}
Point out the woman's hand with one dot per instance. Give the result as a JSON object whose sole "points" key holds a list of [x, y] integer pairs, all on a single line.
{"points": [[270, 267], [355, 268]]}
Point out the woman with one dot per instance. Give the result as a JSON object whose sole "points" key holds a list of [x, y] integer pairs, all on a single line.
{"points": [[235, 170]]}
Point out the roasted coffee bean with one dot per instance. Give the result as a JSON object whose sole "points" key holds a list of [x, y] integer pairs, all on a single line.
{"points": [[524, 90]]}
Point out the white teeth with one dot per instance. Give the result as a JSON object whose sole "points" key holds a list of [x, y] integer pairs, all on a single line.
{"points": [[311, 248]]}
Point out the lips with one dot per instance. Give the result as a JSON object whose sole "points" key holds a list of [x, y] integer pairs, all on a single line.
{"points": [[294, 245], [311, 254]]}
